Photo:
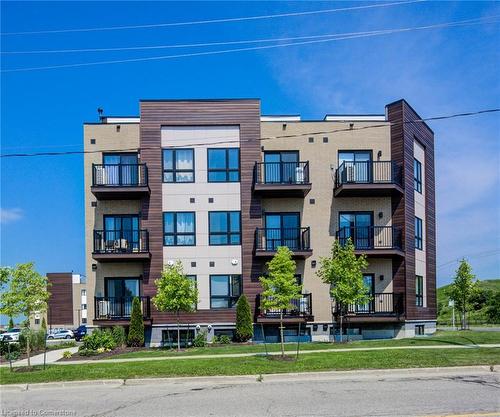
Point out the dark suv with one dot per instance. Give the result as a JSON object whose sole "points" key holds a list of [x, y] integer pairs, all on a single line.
{"points": [[80, 332]]}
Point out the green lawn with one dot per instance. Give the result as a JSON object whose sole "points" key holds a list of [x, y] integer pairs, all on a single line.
{"points": [[452, 338], [258, 365]]}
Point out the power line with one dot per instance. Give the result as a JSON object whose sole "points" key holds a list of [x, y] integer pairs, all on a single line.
{"points": [[483, 254], [204, 22], [490, 19], [380, 125]]}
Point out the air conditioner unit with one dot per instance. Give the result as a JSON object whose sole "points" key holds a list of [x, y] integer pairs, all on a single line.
{"points": [[299, 175], [103, 308]]}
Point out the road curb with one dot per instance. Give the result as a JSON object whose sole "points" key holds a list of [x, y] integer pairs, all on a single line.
{"points": [[248, 379]]}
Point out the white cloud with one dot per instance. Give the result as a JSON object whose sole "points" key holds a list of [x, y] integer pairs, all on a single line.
{"points": [[10, 215]]}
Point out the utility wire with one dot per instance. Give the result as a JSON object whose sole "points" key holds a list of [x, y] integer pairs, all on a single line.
{"points": [[472, 255], [470, 22], [204, 22], [354, 128]]}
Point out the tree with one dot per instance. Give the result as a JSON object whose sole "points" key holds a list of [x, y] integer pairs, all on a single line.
{"points": [[343, 271], [244, 324], [136, 331], [24, 293], [44, 325], [175, 292], [463, 289], [280, 286], [11, 323]]}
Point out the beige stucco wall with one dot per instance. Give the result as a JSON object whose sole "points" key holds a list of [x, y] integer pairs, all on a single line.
{"points": [[107, 138], [322, 216]]}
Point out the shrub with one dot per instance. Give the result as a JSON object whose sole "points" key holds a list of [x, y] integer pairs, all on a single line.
{"points": [[37, 339], [13, 356], [61, 345], [118, 333], [98, 339], [4, 348], [44, 325], [87, 352], [136, 330], [200, 339], [244, 324], [67, 354], [223, 339]]}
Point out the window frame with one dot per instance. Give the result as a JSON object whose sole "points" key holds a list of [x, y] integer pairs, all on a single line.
{"points": [[174, 169], [419, 290], [175, 234], [227, 170], [231, 298], [417, 175], [419, 234], [229, 233]]}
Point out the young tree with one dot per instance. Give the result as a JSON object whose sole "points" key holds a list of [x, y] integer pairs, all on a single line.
{"points": [[11, 323], [343, 271], [463, 289], [44, 325], [136, 329], [280, 287], [24, 292], [175, 293], [244, 324]]}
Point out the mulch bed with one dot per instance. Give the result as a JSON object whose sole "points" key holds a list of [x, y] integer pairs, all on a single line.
{"points": [[104, 355]]}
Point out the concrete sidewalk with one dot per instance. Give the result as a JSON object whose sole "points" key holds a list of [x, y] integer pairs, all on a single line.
{"points": [[242, 355], [52, 357]]}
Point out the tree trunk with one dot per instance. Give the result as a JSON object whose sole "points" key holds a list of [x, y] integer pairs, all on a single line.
{"points": [[28, 350], [178, 333], [341, 328], [281, 335]]}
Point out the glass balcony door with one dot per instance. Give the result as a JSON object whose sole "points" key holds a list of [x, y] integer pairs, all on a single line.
{"points": [[368, 307], [355, 166], [120, 293], [282, 168], [358, 227], [122, 233], [121, 169], [282, 229]]}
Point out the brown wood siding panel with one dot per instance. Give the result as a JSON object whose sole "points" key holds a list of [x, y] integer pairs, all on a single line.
{"points": [[154, 115], [61, 299], [403, 133]]}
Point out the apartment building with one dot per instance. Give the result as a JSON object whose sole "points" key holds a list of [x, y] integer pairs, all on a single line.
{"points": [[218, 186]]}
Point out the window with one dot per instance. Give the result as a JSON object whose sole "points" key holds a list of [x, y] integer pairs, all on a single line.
{"points": [[355, 166], [224, 227], [357, 226], [224, 290], [84, 293], [37, 321], [179, 229], [417, 175], [169, 337], [84, 320], [282, 167], [121, 233], [119, 169], [223, 165], [419, 240], [419, 291], [419, 329], [178, 165], [84, 306], [283, 229]]}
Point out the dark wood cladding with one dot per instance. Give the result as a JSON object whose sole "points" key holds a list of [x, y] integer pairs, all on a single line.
{"points": [[60, 310], [404, 131], [244, 113]]}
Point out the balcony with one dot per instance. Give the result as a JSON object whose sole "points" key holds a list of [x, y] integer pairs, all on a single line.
{"points": [[368, 179], [297, 239], [119, 308], [119, 181], [281, 179], [376, 241], [121, 245], [301, 311], [381, 307]]}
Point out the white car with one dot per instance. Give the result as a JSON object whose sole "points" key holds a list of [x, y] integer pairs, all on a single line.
{"points": [[11, 336], [61, 334]]}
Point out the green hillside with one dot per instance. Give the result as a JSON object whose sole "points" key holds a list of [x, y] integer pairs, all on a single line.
{"points": [[486, 304]]}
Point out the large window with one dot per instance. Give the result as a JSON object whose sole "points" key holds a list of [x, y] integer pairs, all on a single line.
{"points": [[282, 167], [224, 227], [419, 237], [357, 226], [419, 291], [179, 229], [178, 165], [121, 232], [417, 175], [224, 290], [223, 165]]}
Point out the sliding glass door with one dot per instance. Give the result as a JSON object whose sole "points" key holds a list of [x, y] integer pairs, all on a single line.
{"points": [[282, 167], [282, 229], [122, 232], [357, 227], [355, 166], [121, 168], [120, 293]]}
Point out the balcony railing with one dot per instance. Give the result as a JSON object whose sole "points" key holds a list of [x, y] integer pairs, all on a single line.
{"points": [[289, 173], [301, 308], [296, 239], [119, 175], [368, 172], [380, 304], [121, 241], [108, 308], [372, 237]]}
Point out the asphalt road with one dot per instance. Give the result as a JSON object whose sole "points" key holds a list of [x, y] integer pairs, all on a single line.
{"points": [[402, 393]]}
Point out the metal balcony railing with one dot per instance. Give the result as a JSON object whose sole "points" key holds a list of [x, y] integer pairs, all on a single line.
{"points": [[119, 307], [380, 303], [121, 241], [119, 175], [286, 173], [301, 307], [368, 172], [372, 237], [295, 238]]}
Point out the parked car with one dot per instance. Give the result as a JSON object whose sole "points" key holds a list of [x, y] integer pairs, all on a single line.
{"points": [[80, 332], [61, 334], [12, 335]]}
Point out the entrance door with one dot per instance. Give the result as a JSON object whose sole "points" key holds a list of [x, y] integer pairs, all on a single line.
{"points": [[282, 229], [358, 227], [282, 167]]}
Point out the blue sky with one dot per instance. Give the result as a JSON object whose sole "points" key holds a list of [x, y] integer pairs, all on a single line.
{"points": [[439, 71]]}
